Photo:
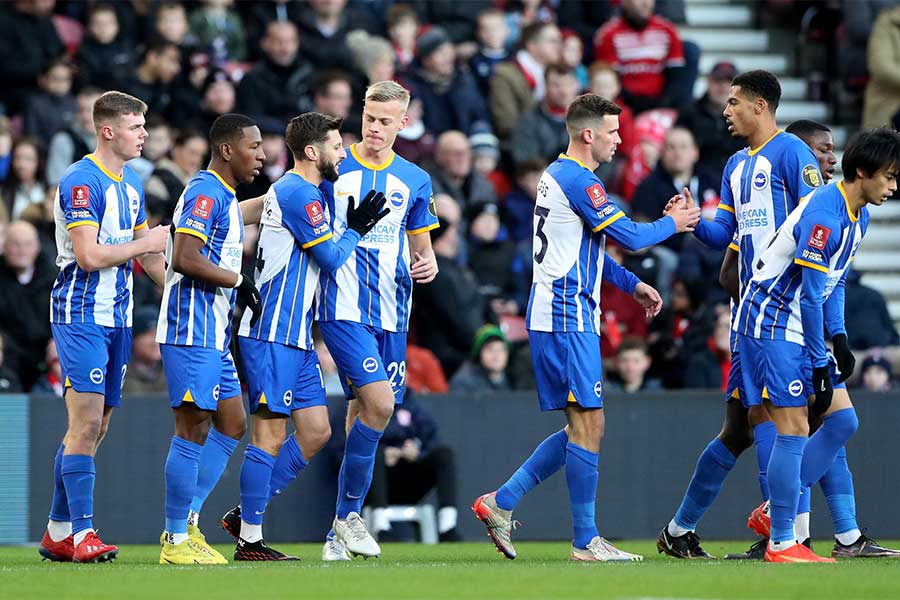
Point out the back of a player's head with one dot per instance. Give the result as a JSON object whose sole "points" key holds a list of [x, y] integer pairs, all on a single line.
{"points": [[388, 91], [112, 105], [760, 84], [806, 128], [310, 128], [587, 112], [227, 129], [871, 152]]}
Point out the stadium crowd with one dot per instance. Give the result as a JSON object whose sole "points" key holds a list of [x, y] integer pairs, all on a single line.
{"points": [[490, 83]]}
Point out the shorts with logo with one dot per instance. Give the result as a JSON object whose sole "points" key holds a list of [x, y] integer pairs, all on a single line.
{"points": [[199, 375], [282, 378], [93, 358], [567, 369], [779, 371], [365, 354]]}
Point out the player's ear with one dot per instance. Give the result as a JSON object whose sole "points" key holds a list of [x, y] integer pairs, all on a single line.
{"points": [[587, 136], [311, 152], [226, 151], [404, 121]]}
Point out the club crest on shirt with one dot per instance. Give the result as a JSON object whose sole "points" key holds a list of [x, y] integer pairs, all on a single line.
{"points": [[315, 213], [819, 237], [202, 207], [760, 180], [811, 176], [81, 197], [597, 195]]}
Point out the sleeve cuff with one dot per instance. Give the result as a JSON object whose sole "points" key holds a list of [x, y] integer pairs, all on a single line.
{"points": [[423, 229], [142, 225], [75, 224], [733, 246], [192, 232]]}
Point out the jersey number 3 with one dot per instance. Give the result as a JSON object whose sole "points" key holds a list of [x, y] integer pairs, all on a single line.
{"points": [[542, 212]]}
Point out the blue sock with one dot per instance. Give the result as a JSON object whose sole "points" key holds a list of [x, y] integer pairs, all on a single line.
{"points": [[824, 444], [712, 468], [355, 475], [288, 465], [837, 485], [182, 466], [59, 506], [256, 472], [784, 484], [764, 438], [213, 460], [581, 478], [547, 459], [78, 476]]}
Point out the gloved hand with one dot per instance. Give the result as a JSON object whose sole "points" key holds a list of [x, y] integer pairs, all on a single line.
{"points": [[362, 218], [821, 381], [249, 295], [846, 362]]}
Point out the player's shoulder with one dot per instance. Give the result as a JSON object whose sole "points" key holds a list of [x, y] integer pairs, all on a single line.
{"points": [[292, 188], [409, 171], [788, 144], [81, 172], [131, 177], [736, 158]]}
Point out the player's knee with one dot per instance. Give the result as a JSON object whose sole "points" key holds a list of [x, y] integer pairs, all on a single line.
{"points": [[380, 412], [315, 439], [758, 415], [86, 431], [735, 440], [234, 429]]}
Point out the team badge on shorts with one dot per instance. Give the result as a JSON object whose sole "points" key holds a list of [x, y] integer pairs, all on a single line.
{"points": [[97, 376], [795, 388], [370, 365], [288, 398]]}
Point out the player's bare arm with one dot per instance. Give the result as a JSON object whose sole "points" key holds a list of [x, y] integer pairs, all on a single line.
{"points": [[251, 210], [728, 275], [424, 267], [188, 259], [92, 256], [153, 263]]}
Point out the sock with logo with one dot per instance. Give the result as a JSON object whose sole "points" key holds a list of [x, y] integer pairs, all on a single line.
{"points": [[213, 460], [288, 465], [78, 475], [182, 466], [581, 479], [59, 506], [764, 439], [784, 485], [355, 475], [256, 471], [837, 485], [547, 459], [712, 468]]}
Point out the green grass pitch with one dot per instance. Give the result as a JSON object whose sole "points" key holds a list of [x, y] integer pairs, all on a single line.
{"points": [[452, 571]]}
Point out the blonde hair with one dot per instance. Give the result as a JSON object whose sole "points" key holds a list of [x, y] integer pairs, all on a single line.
{"points": [[388, 91], [112, 105]]}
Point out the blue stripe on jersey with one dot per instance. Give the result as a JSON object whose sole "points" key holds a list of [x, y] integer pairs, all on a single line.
{"points": [[122, 292], [375, 298], [269, 292], [88, 297], [404, 285], [559, 305], [295, 282], [362, 272]]}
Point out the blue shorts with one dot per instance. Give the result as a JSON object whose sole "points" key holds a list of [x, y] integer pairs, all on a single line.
{"points": [[735, 386], [778, 371], [199, 375], [364, 354], [93, 358], [567, 369], [283, 378]]}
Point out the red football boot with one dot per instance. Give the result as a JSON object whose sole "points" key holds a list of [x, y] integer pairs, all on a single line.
{"points": [[61, 551], [92, 549], [798, 553], [760, 521]]}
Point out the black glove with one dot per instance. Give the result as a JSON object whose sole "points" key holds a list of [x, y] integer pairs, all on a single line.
{"points": [[845, 359], [821, 381], [362, 218], [249, 295]]}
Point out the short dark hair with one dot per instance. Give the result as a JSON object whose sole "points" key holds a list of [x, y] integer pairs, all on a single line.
{"points": [[400, 12], [158, 45], [228, 128], [632, 343], [558, 69], [309, 128], [760, 84], [871, 152], [531, 31], [322, 81], [588, 108], [806, 128], [113, 104], [186, 135]]}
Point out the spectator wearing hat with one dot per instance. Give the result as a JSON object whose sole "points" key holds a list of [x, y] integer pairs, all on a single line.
{"points": [[452, 172], [492, 34], [485, 371], [541, 132], [219, 96], [145, 372], [704, 119], [877, 375], [449, 95], [486, 159]]}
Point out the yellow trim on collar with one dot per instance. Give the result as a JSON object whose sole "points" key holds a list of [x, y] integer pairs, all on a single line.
{"points": [[369, 165]]}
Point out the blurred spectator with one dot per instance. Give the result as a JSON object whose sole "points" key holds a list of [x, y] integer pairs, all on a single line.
{"points": [[145, 372], [708, 368], [104, 58], [171, 25], [27, 33], [452, 172], [171, 175], [26, 183], [868, 321], [650, 133], [668, 329], [153, 80], [50, 381], [676, 169], [6, 141], [522, 13], [604, 81], [622, 316], [274, 165], [332, 94], [409, 463], [449, 310], [518, 204], [459, 19], [402, 30], [704, 119], [278, 85], [541, 132], [25, 282], [373, 57], [858, 17], [493, 35], [414, 142], [632, 364], [700, 262], [53, 106], [218, 96], [75, 139], [323, 31], [156, 147], [646, 50], [882, 99], [573, 57], [519, 83], [424, 374], [877, 375], [42, 218], [493, 260], [486, 159], [218, 30], [450, 98], [485, 371], [258, 15], [9, 381], [584, 17]]}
